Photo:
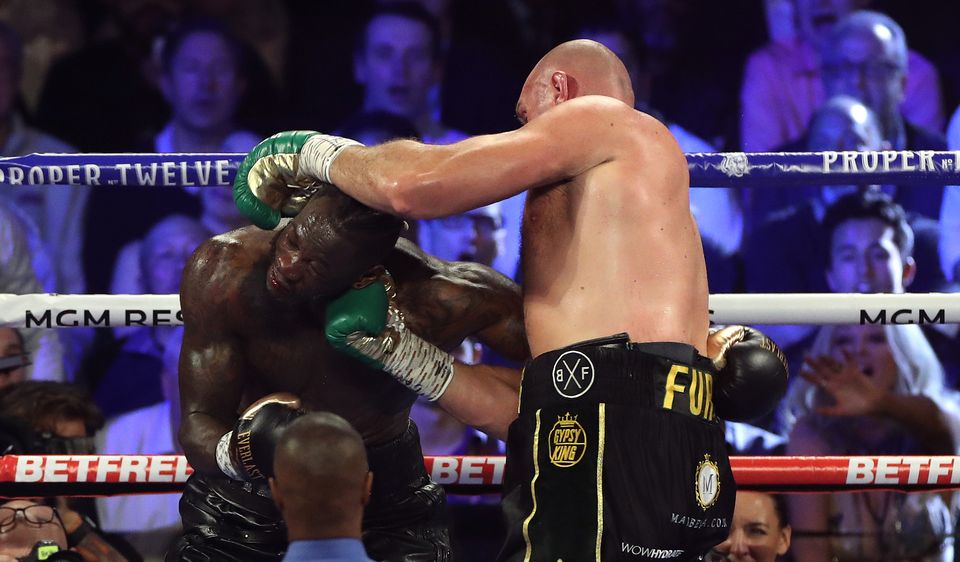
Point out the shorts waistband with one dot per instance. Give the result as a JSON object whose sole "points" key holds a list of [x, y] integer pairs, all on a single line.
{"points": [[614, 370]]}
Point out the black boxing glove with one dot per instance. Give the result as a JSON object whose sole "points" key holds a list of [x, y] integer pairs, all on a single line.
{"points": [[751, 373], [246, 453]]}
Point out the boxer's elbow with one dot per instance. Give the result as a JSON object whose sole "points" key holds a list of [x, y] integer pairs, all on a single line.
{"points": [[198, 447]]}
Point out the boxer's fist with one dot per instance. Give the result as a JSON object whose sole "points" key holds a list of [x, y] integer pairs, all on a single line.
{"points": [[279, 175], [366, 324], [751, 373], [246, 453], [363, 322]]}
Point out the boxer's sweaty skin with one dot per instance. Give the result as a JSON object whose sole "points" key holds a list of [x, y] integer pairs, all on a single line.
{"points": [[616, 249], [609, 242], [242, 341]]}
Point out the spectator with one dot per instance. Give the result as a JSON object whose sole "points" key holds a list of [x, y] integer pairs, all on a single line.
{"points": [[14, 359], [759, 532], [21, 262], [321, 484], [148, 522], [202, 83], [865, 56], [62, 414], [872, 249], [58, 212], [841, 123], [62, 420], [24, 523], [399, 61], [785, 251], [132, 380], [782, 85], [871, 389]]}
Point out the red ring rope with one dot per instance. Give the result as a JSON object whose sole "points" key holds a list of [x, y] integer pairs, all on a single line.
{"points": [[107, 475]]}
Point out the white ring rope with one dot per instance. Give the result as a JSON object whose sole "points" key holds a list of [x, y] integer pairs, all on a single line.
{"points": [[104, 311]]}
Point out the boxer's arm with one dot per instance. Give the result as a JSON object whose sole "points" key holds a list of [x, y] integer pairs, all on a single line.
{"points": [[463, 299], [415, 180], [483, 397], [483, 303], [211, 385]]}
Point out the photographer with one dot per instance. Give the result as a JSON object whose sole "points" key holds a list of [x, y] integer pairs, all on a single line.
{"points": [[47, 418], [30, 531]]}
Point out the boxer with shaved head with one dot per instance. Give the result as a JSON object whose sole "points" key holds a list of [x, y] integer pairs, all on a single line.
{"points": [[617, 452]]}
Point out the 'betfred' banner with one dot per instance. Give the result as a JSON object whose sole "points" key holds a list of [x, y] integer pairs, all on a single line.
{"points": [[107, 475]]}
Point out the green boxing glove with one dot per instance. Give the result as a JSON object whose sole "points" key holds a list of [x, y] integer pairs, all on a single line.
{"points": [[365, 323], [281, 173]]}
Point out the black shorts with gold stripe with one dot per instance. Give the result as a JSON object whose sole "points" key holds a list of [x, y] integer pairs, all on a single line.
{"points": [[617, 455]]}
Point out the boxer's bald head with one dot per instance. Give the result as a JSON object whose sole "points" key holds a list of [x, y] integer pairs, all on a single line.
{"points": [[321, 478], [570, 70]]}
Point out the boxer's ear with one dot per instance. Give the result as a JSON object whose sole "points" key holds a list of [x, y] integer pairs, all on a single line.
{"points": [[564, 86], [275, 492], [367, 487]]}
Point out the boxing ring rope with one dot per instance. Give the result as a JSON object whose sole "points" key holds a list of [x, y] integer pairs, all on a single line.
{"points": [[46, 475], [105, 311], [722, 169], [100, 475]]}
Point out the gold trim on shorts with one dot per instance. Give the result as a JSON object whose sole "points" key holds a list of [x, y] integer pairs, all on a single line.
{"points": [[601, 432], [533, 490]]}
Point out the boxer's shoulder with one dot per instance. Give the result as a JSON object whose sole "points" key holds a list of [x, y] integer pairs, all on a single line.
{"points": [[215, 271]]}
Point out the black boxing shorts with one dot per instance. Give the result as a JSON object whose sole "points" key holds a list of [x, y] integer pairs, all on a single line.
{"points": [[616, 455], [225, 520]]}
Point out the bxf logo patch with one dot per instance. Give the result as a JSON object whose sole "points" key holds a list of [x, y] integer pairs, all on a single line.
{"points": [[573, 374]]}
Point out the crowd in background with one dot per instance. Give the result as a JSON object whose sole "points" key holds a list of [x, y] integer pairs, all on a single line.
{"points": [[219, 75]]}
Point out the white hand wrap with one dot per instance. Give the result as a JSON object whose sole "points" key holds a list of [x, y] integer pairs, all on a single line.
{"points": [[318, 154], [223, 457], [415, 363]]}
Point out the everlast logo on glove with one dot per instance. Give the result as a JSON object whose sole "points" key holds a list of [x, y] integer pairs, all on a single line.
{"points": [[245, 455], [686, 390], [256, 433]]}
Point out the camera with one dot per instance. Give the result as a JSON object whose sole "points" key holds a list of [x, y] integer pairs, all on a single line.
{"points": [[18, 438], [49, 551]]}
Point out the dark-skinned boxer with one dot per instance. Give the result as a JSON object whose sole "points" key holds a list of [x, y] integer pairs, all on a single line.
{"points": [[254, 304]]}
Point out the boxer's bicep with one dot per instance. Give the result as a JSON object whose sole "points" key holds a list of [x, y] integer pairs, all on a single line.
{"points": [[419, 181], [210, 392], [501, 302], [211, 362], [478, 301]]}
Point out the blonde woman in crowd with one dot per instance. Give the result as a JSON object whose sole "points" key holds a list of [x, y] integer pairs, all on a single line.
{"points": [[871, 390]]}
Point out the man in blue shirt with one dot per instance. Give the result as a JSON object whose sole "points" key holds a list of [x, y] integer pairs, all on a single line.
{"points": [[321, 484]]}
